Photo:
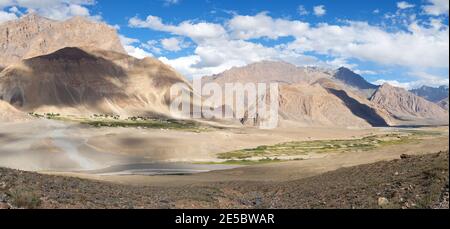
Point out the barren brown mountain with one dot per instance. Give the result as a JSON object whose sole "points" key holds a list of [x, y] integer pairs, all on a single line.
{"points": [[313, 105], [405, 106], [33, 35], [266, 72], [87, 81], [357, 103], [309, 96], [354, 82]]}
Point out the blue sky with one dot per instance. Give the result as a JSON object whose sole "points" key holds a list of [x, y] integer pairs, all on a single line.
{"points": [[401, 42]]}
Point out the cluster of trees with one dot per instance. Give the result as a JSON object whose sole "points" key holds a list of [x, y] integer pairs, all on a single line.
{"points": [[116, 117], [139, 118], [45, 115]]}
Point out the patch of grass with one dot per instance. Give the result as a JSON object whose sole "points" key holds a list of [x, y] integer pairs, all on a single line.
{"points": [[25, 199], [325, 146], [99, 121], [245, 162], [153, 124], [422, 132]]}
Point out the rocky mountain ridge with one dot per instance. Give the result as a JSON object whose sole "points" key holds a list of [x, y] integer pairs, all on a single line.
{"points": [[433, 94], [33, 35]]}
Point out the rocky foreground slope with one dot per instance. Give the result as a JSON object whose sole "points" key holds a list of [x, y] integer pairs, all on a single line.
{"points": [[410, 182], [33, 35]]}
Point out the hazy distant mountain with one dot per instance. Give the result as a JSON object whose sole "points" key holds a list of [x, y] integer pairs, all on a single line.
{"points": [[33, 35], [433, 94], [84, 81], [406, 106], [355, 81], [444, 103]]}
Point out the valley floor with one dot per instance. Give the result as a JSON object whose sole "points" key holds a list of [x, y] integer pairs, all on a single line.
{"points": [[279, 171], [62, 146], [49, 145]]}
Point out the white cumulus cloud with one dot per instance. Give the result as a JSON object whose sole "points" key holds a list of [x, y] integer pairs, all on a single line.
{"points": [[7, 16], [302, 10], [404, 5], [395, 83], [54, 9], [262, 25], [171, 2], [233, 43], [130, 47], [173, 44], [196, 31], [418, 79], [436, 7], [319, 10]]}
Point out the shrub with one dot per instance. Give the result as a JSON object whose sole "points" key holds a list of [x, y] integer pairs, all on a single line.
{"points": [[25, 199]]}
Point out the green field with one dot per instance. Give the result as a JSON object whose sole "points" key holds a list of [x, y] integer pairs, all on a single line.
{"points": [[99, 121], [299, 148], [245, 162]]}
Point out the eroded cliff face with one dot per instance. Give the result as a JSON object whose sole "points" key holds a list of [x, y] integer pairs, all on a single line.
{"points": [[33, 35]]}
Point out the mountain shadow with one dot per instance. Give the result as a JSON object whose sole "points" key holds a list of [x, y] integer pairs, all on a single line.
{"points": [[67, 78], [361, 110]]}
